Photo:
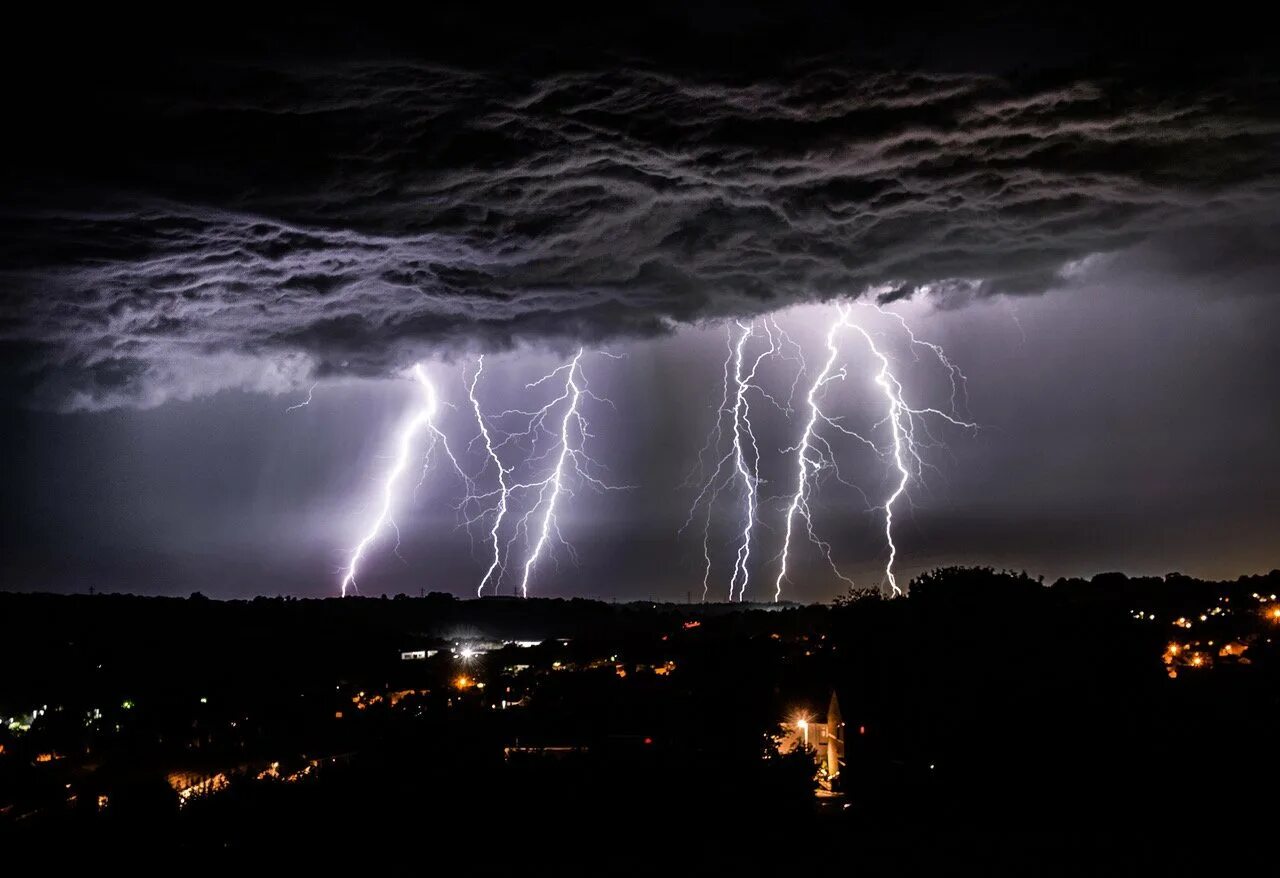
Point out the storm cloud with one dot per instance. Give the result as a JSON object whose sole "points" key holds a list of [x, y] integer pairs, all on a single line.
{"points": [[291, 220]]}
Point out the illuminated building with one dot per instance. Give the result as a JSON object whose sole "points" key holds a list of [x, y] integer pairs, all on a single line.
{"points": [[825, 737], [412, 655], [834, 738]]}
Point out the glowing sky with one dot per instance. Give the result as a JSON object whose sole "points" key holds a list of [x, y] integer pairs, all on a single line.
{"points": [[1089, 459], [200, 229]]}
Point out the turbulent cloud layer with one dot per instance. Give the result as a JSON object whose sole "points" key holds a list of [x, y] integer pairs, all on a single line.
{"points": [[295, 220]]}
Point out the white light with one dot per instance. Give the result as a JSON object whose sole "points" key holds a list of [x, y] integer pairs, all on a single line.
{"points": [[570, 459], [901, 420], [813, 454], [503, 492], [423, 419], [573, 392]]}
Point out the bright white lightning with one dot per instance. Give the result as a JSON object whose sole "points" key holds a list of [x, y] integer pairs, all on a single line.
{"points": [[574, 393], [901, 419], [711, 487], [504, 490], [563, 425], [423, 420], [750, 476], [813, 454], [959, 383], [571, 457], [741, 463]]}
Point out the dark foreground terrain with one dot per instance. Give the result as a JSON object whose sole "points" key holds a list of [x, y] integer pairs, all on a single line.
{"points": [[987, 720]]}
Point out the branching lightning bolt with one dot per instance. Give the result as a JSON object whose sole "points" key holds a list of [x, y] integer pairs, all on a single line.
{"points": [[741, 463], [504, 490], [423, 420], [959, 383], [814, 454], [570, 457], [712, 486], [556, 480], [902, 421], [566, 435], [750, 476], [552, 443]]}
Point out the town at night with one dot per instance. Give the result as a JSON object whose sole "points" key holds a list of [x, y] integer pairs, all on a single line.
{"points": [[640, 439]]}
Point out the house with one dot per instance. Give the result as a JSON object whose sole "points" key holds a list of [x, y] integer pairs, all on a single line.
{"points": [[825, 737]]}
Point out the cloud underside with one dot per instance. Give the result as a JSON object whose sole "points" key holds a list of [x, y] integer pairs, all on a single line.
{"points": [[296, 223]]}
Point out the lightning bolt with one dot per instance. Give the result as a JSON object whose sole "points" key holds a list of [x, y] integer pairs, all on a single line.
{"points": [[306, 402], [816, 456], [750, 476], [570, 458], [423, 420], [556, 480], [503, 492], [712, 486], [903, 420], [959, 383], [562, 425], [741, 462]]}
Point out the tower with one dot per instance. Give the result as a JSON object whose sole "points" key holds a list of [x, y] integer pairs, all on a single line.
{"points": [[835, 737]]}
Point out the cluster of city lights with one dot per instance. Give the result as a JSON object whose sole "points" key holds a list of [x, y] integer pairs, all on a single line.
{"points": [[1202, 654]]}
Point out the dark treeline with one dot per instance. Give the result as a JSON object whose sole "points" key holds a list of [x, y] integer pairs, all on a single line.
{"points": [[985, 714]]}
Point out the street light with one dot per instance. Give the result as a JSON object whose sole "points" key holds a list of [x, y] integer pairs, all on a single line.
{"points": [[803, 725]]}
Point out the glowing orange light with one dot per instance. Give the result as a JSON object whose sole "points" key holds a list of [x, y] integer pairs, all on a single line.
{"points": [[463, 682]]}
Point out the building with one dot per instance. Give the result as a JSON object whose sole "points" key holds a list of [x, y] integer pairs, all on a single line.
{"points": [[411, 655], [825, 737], [833, 731]]}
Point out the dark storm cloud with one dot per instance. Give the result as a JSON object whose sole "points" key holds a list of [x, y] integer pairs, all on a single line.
{"points": [[293, 219]]}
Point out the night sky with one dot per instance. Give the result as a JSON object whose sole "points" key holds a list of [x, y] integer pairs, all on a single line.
{"points": [[203, 221]]}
